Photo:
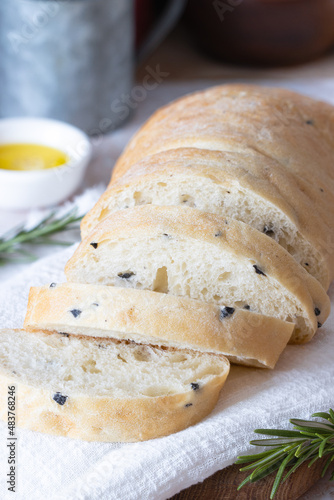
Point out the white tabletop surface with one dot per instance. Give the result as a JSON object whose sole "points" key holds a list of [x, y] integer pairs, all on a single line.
{"points": [[186, 71]]}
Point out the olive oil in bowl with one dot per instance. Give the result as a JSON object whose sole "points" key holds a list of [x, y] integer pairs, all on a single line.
{"points": [[26, 157], [42, 162]]}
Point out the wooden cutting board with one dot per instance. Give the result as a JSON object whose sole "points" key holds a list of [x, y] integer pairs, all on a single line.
{"points": [[223, 485]]}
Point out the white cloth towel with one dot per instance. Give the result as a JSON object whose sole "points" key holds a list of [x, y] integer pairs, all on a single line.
{"points": [[61, 468], [302, 382]]}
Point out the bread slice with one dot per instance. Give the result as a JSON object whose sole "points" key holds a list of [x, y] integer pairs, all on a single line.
{"points": [[255, 190], [147, 317], [104, 390], [185, 252]]}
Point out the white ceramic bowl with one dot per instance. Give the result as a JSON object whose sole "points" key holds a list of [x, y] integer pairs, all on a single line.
{"points": [[40, 188]]}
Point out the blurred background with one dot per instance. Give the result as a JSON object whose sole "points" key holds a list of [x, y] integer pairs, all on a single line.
{"points": [[72, 59]]}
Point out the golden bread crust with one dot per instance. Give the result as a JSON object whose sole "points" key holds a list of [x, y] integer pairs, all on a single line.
{"points": [[144, 316]]}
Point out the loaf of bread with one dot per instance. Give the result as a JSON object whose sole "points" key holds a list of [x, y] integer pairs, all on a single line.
{"points": [[248, 187], [185, 252], [104, 390], [161, 319], [295, 131]]}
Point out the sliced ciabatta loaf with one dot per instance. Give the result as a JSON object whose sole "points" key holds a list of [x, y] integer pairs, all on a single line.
{"points": [[250, 188], [185, 252], [155, 318], [104, 390]]}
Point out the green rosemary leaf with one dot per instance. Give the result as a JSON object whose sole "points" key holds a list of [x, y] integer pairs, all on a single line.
{"points": [[245, 481], [49, 241], [276, 432], [274, 442], [308, 450], [331, 412], [311, 434], [300, 448], [313, 460], [280, 472], [323, 444], [322, 414], [248, 458], [264, 471], [264, 460], [327, 464], [307, 426]]}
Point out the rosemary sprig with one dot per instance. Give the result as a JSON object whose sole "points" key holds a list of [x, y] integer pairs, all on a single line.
{"points": [[309, 441], [12, 243]]}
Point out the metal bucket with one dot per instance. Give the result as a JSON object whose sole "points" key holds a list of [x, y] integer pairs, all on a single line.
{"points": [[66, 59]]}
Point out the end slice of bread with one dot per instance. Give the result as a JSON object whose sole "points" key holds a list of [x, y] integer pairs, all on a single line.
{"points": [[147, 317], [104, 390]]}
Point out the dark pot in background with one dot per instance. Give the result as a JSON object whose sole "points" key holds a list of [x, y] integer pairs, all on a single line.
{"points": [[266, 32]]}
